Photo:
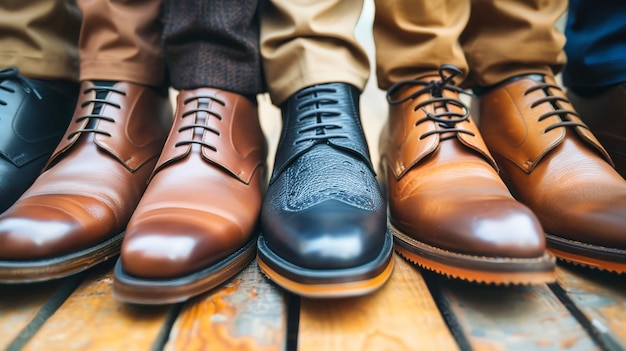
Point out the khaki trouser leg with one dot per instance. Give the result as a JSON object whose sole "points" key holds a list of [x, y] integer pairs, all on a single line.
{"points": [[121, 40], [308, 42], [509, 38], [39, 37], [490, 40], [414, 37]]}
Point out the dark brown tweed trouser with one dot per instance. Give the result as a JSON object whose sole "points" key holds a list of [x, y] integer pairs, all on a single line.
{"points": [[213, 43]]}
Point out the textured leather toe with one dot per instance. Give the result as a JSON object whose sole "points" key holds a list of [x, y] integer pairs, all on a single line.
{"points": [[324, 208], [329, 235]]}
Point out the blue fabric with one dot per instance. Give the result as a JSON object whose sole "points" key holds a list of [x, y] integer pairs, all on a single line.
{"points": [[596, 44]]}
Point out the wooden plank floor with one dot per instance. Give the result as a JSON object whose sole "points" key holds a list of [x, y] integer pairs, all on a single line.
{"points": [[415, 310]]}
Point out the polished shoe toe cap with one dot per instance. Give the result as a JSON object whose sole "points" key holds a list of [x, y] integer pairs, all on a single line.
{"points": [[158, 255], [329, 235], [596, 220], [42, 227], [515, 234], [496, 227], [168, 243]]}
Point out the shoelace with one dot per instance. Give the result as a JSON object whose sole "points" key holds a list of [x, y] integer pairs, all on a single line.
{"points": [[198, 125], [12, 73], [446, 119], [553, 101], [95, 115], [319, 105]]}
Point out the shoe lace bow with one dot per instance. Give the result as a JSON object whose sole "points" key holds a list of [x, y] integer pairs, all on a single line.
{"points": [[446, 119]]}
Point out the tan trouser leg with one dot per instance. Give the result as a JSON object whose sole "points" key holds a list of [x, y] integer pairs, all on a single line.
{"points": [[508, 38], [121, 40], [40, 37], [490, 40], [308, 42], [414, 37]]}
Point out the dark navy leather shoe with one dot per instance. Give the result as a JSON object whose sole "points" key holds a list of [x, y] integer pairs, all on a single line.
{"points": [[33, 117], [323, 217]]}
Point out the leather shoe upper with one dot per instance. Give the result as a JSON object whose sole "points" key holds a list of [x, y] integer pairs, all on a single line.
{"points": [[33, 116], [323, 208], [94, 178], [204, 197], [552, 162], [442, 182], [605, 114]]}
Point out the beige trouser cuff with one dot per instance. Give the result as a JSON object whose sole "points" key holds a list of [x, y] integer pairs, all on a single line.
{"points": [[121, 40], [39, 37], [308, 42], [490, 40]]}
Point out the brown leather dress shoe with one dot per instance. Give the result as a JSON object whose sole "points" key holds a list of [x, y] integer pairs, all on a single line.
{"points": [[605, 114], [74, 215], [195, 227], [554, 165], [448, 209]]}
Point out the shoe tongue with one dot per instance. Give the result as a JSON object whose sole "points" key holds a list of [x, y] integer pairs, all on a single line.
{"points": [[101, 95]]}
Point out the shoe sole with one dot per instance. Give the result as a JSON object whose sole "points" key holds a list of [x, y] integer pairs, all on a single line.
{"points": [[477, 269], [142, 291], [593, 256], [18, 272], [333, 283]]}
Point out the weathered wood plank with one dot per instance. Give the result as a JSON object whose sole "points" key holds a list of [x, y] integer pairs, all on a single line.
{"points": [[90, 319], [62, 289], [18, 305], [400, 316], [601, 297], [491, 318], [247, 313]]}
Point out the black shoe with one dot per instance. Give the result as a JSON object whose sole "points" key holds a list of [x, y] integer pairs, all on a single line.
{"points": [[34, 114], [323, 218]]}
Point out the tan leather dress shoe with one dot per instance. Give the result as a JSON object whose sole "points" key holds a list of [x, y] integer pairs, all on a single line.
{"points": [[605, 114], [448, 209], [195, 226], [554, 165], [74, 215]]}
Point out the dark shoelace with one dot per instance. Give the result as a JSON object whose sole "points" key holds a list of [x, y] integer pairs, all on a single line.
{"points": [[446, 119], [12, 73], [98, 103], [319, 107], [200, 108], [553, 100]]}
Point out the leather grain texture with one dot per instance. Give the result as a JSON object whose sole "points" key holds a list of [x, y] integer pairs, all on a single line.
{"points": [[324, 208]]}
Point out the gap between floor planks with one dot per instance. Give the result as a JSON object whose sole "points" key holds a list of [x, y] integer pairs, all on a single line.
{"points": [[585, 311]]}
